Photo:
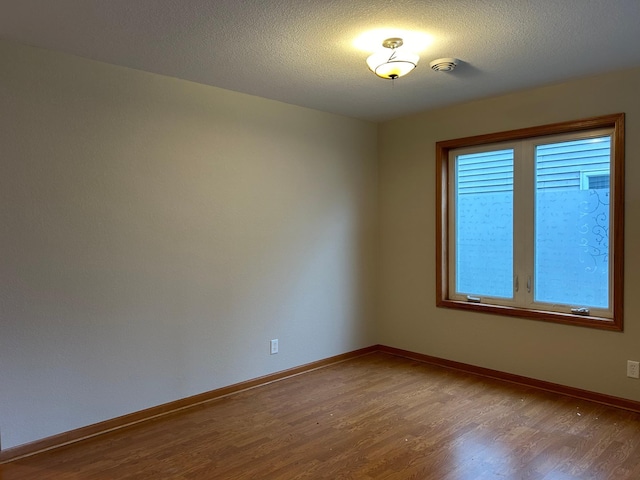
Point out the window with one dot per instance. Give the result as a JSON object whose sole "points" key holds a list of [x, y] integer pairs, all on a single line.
{"points": [[531, 222], [594, 180]]}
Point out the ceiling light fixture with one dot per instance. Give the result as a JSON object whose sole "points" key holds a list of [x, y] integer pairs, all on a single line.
{"points": [[394, 63]]}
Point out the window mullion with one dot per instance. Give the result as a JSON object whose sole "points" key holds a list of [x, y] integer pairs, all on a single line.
{"points": [[523, 223]]}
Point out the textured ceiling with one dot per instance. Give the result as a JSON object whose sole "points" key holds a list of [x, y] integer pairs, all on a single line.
{"points": [[302, 51]]}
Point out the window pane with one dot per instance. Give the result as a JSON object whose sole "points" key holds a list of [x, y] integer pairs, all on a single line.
{"points": [[572, 223], [484, 224]]}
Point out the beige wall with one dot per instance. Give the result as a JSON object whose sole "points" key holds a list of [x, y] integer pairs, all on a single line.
{"points": [[157, 233], [580, 357]]}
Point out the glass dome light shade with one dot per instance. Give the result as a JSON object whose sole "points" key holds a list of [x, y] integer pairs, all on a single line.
{"points": [[392, 64]]}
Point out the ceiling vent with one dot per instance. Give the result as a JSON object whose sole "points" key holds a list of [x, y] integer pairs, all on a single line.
{"points": [[444, 64]]}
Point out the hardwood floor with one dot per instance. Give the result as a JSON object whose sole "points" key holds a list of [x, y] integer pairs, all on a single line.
{"points": [[373, 417]]}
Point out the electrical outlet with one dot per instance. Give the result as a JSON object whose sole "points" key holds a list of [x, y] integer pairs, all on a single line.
{"points": [[633, 369], [274, 346]]}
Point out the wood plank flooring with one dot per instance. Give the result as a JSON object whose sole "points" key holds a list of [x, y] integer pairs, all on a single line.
{"points": [[373, 417]]}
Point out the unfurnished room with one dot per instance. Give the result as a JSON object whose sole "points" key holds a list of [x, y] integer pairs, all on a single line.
{"points": [[319, 240]]}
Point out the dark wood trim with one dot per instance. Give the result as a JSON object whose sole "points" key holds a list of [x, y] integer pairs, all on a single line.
{"points": [[89, 431], [618, 219], [615, 121], [601, 398], [442, 223]]}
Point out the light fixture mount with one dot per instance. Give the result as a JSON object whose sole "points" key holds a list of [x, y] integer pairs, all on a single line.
{"points": [[392, 43], [394, 64]]}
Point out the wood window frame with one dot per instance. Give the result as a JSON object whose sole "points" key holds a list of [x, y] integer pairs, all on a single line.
{"points": [[615, 121]]}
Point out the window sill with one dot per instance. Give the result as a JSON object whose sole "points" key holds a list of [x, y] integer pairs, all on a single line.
{"points": [[601, 323]]}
